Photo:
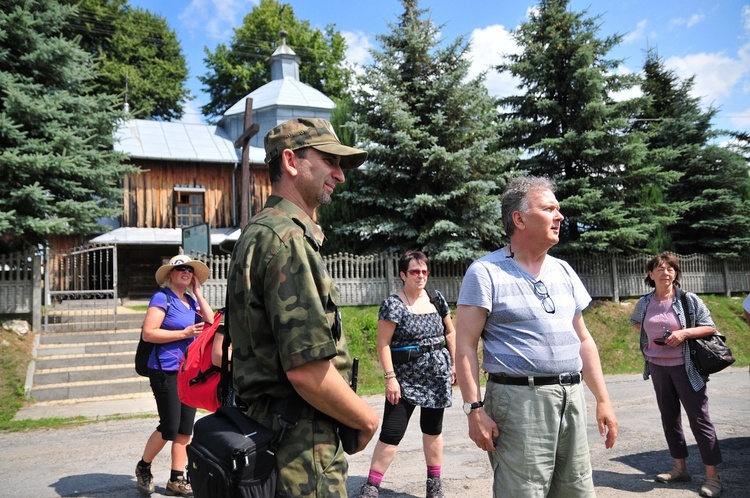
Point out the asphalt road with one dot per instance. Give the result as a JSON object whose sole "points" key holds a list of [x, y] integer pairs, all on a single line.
{"points": [[98, 459]]}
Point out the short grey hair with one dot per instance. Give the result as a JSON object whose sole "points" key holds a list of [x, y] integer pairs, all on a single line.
{"points": [[515, 197]]}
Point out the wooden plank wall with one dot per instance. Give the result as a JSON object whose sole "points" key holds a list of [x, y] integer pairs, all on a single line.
{"points": [[148, 197]]}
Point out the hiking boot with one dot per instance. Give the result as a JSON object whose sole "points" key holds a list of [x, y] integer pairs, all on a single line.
{"points": [[369, 491], [180, 487], [144, 479], [435, 488]]}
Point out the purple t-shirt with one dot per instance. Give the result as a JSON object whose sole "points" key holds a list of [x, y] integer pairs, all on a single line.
{"points": [[178, 317]]}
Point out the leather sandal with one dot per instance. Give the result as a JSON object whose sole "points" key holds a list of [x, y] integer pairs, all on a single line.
{"points": [[674, 475], [711, 487]]}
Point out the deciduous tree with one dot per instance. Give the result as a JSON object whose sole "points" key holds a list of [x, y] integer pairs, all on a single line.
{"points": [[238, 69], [137, 56]]}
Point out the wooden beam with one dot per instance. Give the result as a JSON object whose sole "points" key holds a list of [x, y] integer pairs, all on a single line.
{"points": [[244, 141]]}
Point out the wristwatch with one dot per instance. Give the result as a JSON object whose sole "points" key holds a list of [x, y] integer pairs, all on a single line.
{"points": [[469, 407]]}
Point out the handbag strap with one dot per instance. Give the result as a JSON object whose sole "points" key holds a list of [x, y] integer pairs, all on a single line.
{"points": [[688, 310]]}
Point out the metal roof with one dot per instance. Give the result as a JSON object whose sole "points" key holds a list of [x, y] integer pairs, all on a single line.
{"points": [[160, 236], [144, 139], [285, 92]]}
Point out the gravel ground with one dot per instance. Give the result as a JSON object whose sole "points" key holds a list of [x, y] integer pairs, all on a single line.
{"points": [[98, 460]]}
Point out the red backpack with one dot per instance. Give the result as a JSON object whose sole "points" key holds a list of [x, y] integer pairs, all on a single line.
{"points": [[198, 378]]}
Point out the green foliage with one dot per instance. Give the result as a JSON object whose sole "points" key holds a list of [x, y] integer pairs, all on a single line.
{"points": [[15, 354], [434, 171], [134, 50], [713, 193], [60, 172], [242, 67], [576, 134]]}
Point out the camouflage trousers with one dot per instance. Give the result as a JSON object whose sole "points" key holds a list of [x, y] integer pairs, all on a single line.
{"points": [[310, 460]]}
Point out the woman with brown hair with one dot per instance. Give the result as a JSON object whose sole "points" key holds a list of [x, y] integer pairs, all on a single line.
{"points": [[664, 328]]}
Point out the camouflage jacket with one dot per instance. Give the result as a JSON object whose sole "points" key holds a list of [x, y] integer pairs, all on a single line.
{"points": [[281, 303]]}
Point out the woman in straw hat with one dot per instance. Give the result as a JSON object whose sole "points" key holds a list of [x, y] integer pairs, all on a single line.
{"points": [[175, 316]]}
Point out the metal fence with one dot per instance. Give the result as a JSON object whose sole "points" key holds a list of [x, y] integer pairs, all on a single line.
{"points": [[367, 280], [18, 273]]}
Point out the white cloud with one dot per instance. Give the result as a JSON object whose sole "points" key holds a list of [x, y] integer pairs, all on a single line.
{"points": [[716, 74], [687, 22], [488, 49], [746, 18], [638, 34], [357, 48], [215, 18], [630, 93]]}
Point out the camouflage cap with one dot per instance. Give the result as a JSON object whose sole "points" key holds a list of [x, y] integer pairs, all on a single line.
{"points": [[317, 133]]}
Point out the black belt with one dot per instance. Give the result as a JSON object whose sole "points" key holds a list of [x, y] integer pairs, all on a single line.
{"points": [[564, 379], [277, 406]]}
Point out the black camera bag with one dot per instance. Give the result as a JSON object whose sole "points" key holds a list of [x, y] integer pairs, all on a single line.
{"points": [[231, 456]]}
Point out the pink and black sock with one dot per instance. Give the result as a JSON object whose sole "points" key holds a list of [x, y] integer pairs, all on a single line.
{"points": [[375, 478]]}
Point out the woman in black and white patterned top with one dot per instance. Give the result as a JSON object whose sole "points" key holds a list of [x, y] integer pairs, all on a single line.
{"points": [[416, 346]]}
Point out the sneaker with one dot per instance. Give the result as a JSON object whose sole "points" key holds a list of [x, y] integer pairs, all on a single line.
{"points": [[144, 479], [180, 487], [369, 491], [435, 488]]}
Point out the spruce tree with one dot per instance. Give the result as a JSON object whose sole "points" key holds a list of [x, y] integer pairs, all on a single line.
{"points": [[714, 186], [60, 172], [573, 131], [434, 172]]}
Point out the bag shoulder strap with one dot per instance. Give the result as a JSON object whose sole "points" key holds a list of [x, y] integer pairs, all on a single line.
{"points": [[155, 346], [437, 300], [686, 308]]}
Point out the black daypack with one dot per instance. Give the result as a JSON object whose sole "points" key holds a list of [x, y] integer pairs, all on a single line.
{"points": [[143, 351]]}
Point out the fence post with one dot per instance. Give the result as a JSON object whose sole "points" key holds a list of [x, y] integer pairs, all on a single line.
{"points": [[727, 286], [389, 265], [36, 294], [615, 281]]}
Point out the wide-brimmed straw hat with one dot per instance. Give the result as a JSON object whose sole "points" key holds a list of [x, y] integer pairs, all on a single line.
{"points": [[201, 270]]}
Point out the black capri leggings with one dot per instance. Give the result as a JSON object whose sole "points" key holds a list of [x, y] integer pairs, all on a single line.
{"points": [[396, 418], [174, 416]]}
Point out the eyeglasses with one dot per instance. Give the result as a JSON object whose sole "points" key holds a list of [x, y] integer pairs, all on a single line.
{"points": [[184, 268], [416, 273], [541, 290]]}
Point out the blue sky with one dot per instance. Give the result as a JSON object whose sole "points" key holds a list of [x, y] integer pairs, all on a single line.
{"points": [[708, 39]]}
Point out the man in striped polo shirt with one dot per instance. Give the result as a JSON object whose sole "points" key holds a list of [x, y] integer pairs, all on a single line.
{"points": [[527, 306]]}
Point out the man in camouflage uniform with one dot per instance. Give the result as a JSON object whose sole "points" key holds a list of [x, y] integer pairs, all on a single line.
{"points": [[283, 318]]}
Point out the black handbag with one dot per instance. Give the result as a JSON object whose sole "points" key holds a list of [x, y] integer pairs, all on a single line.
{"points": [[710, 354]]}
